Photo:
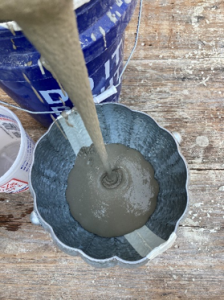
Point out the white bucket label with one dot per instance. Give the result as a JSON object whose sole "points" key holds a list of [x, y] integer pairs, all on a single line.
{"points": [[17, 180], [10, 127], [14, 186]]}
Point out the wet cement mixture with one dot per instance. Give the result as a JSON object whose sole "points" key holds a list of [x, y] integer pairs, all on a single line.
{"points": [[116, 205]]}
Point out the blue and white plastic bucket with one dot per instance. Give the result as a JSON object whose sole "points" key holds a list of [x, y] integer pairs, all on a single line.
{"points": [[101, 27], [16, 153]]}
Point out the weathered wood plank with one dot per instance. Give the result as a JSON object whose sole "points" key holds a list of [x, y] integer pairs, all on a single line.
{"points": [[185, 99], [178, 29], [192, 269]]}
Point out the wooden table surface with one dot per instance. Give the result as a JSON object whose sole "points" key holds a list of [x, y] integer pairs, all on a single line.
{"points": [[176, 76]]}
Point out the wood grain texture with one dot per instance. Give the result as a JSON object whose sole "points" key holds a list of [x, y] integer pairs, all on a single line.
{"points": [[172, 29], [176, 76]]}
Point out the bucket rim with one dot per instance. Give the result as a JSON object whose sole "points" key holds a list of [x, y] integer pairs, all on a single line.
{"points": [[16, 27]]}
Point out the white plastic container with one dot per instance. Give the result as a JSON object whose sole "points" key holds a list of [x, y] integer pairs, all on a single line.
{"points": [[16, 150]]}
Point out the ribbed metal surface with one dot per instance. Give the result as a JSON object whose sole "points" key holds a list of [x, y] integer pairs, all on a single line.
{"points": [[54, 158]]}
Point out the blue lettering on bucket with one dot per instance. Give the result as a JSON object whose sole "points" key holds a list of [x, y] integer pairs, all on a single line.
{"points": [[48, 98], [106, 76]]}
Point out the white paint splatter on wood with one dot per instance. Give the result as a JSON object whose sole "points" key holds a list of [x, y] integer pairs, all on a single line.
{"points": [[202, 141]]}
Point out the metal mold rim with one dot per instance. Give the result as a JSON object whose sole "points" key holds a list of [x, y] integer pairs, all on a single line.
{"points": [[114, 260]]}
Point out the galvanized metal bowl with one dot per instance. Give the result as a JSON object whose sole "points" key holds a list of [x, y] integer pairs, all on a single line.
{"points": [[53, 159]]}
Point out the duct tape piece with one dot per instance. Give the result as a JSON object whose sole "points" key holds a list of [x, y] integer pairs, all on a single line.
{"points": [[143, 240], [75, 131]]}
